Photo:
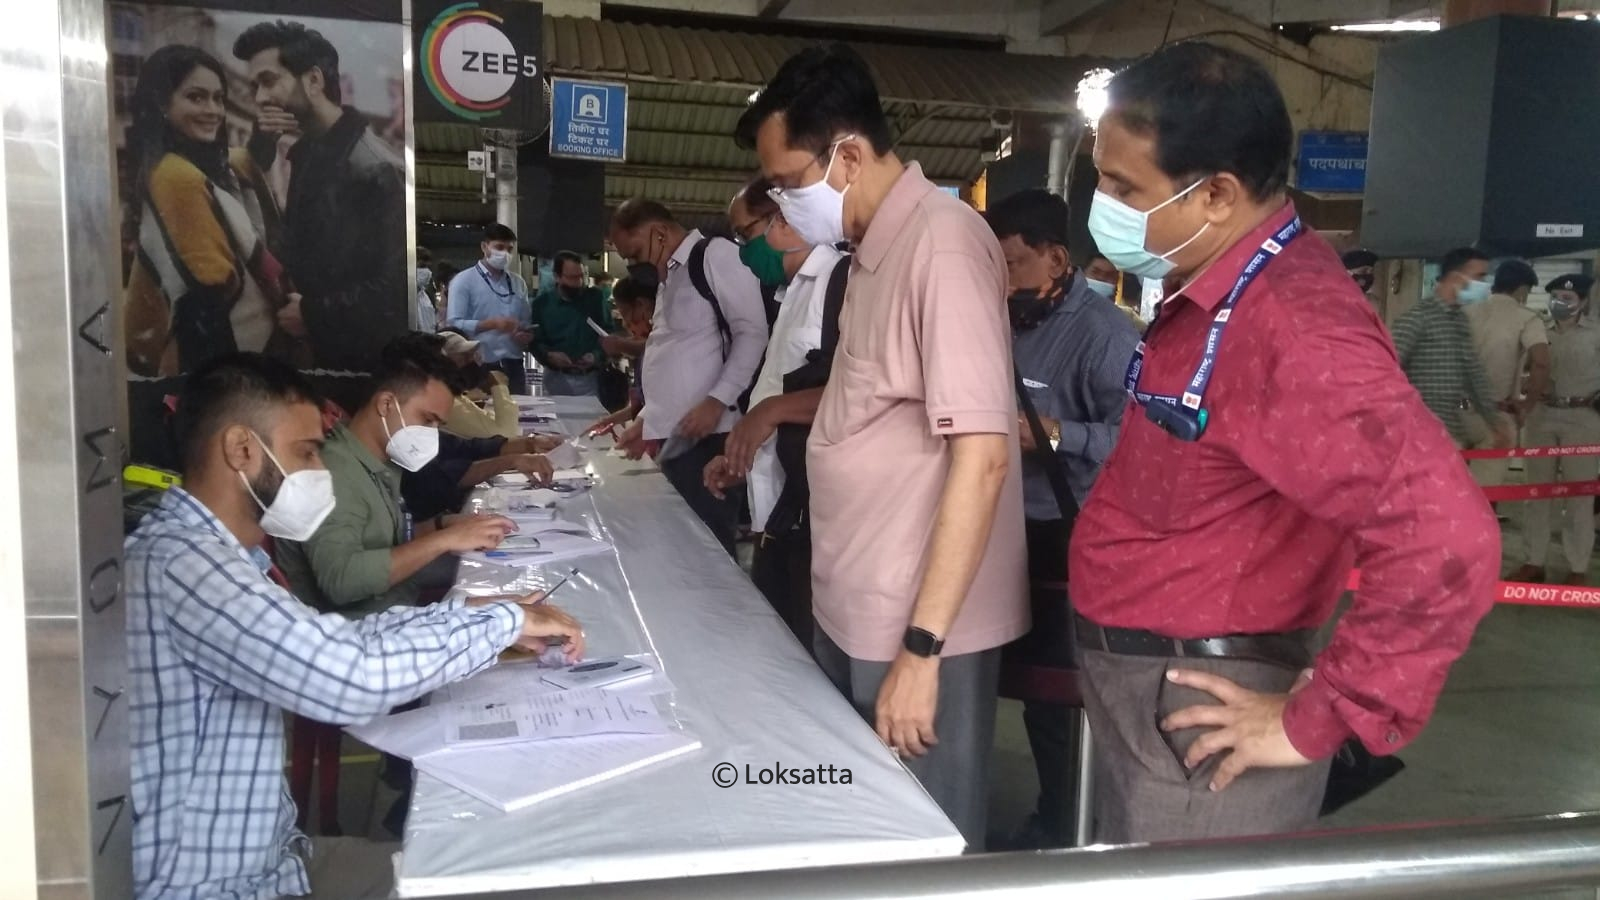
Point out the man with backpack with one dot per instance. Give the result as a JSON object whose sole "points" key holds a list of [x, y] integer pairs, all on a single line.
{"points": [[767, 449], [709, 334]]}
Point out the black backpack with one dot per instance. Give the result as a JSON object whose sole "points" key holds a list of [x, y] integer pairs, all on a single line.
{"points": [[794, 501], [702, 284]]}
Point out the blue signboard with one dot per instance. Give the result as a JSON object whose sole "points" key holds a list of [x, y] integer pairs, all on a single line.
{"points": [[588, 119], [1332, 162]]}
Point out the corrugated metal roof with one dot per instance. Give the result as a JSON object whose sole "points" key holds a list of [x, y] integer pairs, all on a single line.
{"points": [[688, 86], [972, 78]]}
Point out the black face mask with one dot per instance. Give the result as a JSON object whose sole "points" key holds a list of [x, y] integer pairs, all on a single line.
{"points": [[1030, 306], [570, 292], [1365, 282]]}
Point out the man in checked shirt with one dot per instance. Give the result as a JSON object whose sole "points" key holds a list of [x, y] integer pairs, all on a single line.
{"points": [[217, 650]]}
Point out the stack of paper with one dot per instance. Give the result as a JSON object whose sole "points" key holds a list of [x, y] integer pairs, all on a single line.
{"points": [[512, 776], [614, 732], [542, 547]]}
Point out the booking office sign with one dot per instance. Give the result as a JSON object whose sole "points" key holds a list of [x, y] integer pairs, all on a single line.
{"points": [[478, 63]]}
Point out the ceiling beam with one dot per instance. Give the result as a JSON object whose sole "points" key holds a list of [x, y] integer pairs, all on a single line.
{"points": [[1056, 16], [772, 9]]}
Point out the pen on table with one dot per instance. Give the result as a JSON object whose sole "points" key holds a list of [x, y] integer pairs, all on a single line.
{"points": [[556, 586]]}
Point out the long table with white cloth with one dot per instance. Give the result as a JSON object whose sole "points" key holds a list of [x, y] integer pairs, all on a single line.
{"points": [[742, 685]]}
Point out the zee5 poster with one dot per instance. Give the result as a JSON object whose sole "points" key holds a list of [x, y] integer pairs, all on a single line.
{"points": [[260, 166]]}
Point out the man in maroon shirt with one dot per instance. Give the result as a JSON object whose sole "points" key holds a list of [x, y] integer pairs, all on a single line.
{"points": [[1274, 445]]}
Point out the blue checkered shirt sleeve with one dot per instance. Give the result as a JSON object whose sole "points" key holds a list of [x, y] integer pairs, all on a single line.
{"points": [[241, 630]]}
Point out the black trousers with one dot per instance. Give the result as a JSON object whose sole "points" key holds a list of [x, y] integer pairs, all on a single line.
{"points": [[1052, 727], [782, 572], [686, 472], [516, 373]]}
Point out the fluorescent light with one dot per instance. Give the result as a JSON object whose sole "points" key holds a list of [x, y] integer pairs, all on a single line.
{"points": [[753, 95], [1092, 97], [1400, 25]]}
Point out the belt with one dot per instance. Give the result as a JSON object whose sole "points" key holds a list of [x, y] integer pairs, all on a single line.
{"points": [[1290, 649], [1569, 402]]}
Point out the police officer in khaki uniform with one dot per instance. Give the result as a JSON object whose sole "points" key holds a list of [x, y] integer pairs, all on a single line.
{"points": [[1508, 335], [1567, 418]]}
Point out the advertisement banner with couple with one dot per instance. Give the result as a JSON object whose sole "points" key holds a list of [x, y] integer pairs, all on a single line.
{"points": [[260, 167]]}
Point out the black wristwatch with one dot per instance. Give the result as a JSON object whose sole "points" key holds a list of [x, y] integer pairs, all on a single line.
{"points": [[922, 642]]}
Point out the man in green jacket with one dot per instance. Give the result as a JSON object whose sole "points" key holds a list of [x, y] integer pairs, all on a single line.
{"points": [[369, 555], [565, 339]]}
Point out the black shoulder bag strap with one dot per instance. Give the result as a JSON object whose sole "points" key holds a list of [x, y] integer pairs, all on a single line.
{"points": [[833, 305], [1045, 454], [702, 284]]}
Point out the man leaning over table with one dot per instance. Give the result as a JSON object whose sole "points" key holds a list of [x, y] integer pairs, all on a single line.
{"points": [[370, 554], [918, 566], [218, 651]]}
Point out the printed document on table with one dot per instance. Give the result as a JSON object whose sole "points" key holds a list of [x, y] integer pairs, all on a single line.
{"points": [[555, 715]]}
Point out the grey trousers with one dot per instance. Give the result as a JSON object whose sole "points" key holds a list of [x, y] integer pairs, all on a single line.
{"points": [[955, 772], [1141, 788]]}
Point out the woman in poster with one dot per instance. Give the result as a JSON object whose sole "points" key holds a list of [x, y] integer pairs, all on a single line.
{"points": [[204, 282]]}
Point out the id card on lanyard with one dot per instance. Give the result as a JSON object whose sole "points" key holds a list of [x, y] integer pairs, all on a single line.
{"points": [[1186, 417]]}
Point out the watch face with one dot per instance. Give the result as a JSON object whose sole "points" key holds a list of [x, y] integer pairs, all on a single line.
{"points": [[921, 643]]}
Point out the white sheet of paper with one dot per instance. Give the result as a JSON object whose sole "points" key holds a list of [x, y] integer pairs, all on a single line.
{"points": [[555, 715], [596, 326], [571, 473], [566, 456]]}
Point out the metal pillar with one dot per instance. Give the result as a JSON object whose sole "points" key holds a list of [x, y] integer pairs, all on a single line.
{"points": [[62, 656], [505, 184]]}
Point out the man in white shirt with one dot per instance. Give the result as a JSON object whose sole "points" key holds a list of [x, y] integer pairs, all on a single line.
{"points": [[761, 451], [705, 344]]}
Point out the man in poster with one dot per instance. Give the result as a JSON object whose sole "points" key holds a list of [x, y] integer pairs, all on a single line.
{"points": [[345, 232]]}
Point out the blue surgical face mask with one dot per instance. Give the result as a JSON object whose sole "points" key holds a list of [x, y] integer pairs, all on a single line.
{"points": [[1104, 288], [1120, 231], [1473, 292]]}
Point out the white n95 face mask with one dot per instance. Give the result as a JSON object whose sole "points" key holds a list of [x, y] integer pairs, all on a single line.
{"points": [[305, 498], [413, 446], [498, 260], [815, 211], [1119, 231]]}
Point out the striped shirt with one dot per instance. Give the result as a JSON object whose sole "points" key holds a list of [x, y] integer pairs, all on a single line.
{"points": [[1434, 342], [216, 652]]}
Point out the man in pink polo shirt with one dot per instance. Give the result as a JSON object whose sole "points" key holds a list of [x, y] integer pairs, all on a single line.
{"points": [[918, 567]]}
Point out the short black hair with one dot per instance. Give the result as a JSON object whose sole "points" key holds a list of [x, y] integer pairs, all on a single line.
{"points": [[823, 93], [627, 291], [1037, 216], [758, 198], [1457, 259], [1514, 274], [1359, 258], [494, 231], [407, 363], [424, 256], [299, 47], [639, 211], [562, 258], [234, 389], [1210, 110]]}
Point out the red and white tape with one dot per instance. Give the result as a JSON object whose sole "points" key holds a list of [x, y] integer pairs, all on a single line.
{"points": [[1526, 594], [1534, 452]]}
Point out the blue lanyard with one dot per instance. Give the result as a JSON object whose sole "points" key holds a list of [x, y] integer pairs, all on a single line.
{"points": [[511, 288], [1185, 417]]}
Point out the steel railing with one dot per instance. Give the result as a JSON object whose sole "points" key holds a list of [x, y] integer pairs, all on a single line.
{"points": [[1506, 858]]}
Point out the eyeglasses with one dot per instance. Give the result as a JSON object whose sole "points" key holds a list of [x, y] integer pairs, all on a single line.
{"points": [[777, 193], [741, 239]]}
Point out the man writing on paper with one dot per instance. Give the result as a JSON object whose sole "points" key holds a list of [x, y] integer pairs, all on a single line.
{"points": [[370, 555], [769, 458], [217, 651], [916, 492], [1275, 445], [564, 338], [710, 330]]}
